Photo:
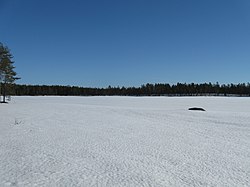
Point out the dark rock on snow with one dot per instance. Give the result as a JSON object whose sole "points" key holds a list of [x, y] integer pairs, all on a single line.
{"points": [[197, 108]]}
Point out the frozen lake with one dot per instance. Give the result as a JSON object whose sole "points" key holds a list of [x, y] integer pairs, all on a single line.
{"points": [[125, 141]]}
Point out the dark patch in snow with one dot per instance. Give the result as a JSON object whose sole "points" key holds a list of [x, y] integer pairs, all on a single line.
{"points": [[197, 108]]}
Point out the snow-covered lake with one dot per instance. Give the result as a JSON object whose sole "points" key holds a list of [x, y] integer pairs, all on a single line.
{"points": [[125, 141]]}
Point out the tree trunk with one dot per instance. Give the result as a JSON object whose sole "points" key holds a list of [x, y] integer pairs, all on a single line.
{"points": [[0, 92], [4, 92]]}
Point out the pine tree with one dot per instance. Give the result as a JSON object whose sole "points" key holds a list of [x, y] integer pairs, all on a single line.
{"points": [[7, 73]]}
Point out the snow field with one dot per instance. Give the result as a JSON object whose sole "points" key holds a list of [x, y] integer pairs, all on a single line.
{"points": [[125, 141]]}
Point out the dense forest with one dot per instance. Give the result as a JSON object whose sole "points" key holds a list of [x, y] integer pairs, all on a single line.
{"points": [[179, 89], [8, 76]]}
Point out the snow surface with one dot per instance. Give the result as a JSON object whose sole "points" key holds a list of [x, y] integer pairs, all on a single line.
{"points": [[125, 141]]}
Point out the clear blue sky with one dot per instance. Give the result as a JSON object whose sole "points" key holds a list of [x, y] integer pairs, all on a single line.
{"points": [[96, 43]]}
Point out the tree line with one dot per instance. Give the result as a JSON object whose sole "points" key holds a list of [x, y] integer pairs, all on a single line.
{"points": [[179, 89], [8, 77]]}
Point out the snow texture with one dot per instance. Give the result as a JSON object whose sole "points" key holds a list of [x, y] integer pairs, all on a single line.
{"points": [[125, 141]]}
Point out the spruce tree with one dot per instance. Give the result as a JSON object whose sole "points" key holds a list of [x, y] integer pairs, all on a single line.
{"points": [[7, 73]]}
